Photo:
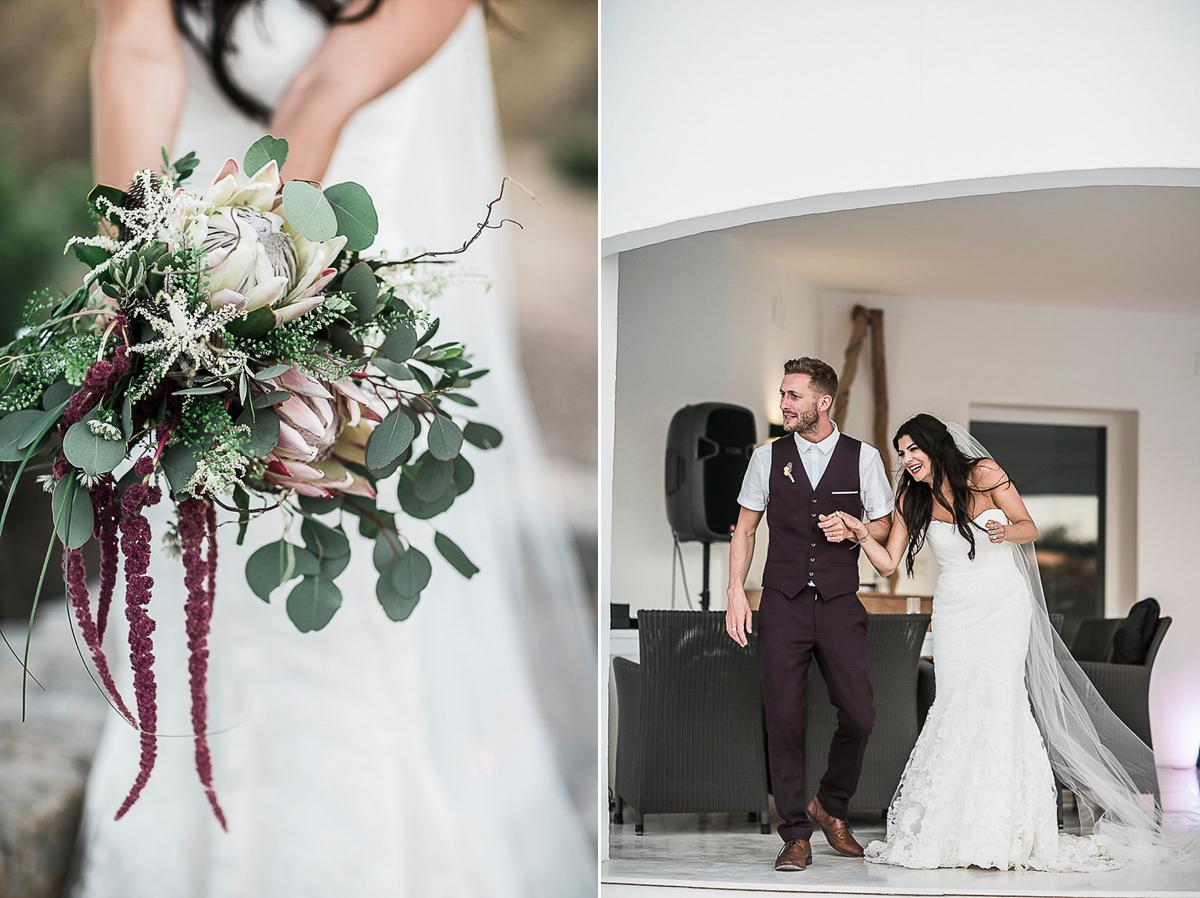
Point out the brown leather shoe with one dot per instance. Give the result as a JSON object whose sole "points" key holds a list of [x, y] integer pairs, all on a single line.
{"points": [[837, 833], [794, 855]]}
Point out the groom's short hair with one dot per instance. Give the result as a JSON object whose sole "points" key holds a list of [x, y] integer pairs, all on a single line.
{"points": [[824, 378]]}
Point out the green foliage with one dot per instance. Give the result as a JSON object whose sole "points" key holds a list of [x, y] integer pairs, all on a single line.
{"points": [[355, 213], [308, 211], [263, 151]]}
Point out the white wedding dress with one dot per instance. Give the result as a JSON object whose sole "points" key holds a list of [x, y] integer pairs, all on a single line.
{"points": [[978, 788], [440, 756]]}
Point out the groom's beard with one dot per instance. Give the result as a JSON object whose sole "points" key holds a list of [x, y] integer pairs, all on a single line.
{"points": [[805, 421]]}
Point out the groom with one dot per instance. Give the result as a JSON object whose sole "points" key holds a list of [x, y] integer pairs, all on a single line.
{"points": [[809, 601]]}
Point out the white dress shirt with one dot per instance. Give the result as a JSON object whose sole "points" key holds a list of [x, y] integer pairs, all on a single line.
{"points": [[877, 498]]}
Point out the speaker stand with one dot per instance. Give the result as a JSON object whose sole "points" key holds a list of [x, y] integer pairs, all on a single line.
{"points": [[704, 595]]}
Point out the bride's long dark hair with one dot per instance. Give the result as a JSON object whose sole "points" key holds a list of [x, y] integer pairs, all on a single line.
{"points": [[217, 45], [950, 467]]}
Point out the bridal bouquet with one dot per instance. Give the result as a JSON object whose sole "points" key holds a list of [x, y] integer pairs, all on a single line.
{"points": [[233, 348]]}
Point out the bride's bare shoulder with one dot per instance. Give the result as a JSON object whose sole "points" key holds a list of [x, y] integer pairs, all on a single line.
{"points": [[987, 475]]}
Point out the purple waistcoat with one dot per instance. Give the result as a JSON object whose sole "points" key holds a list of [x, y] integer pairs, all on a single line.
{"points": [[798, 552]]}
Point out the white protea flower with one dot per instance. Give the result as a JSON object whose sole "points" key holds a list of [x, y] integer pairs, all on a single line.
{"points": [[255, 258]]}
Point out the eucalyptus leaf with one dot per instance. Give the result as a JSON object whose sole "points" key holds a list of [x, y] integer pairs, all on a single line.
{"points": [[127, 417], [319, 505], [360, 284], [276, 563], [422, 378], [308, 212], [263, 151], [332, 566], [415, 508], [39, 427], [257, 324], [356, 217], [394, 370], [12, 427], [205, 390], [272, 371], [389, 438], [482, 436], [93, 453], [72, 508], [312, 603], [464, 475], [387, 550], [456, 556], [445, 439], [324, 541], [179, 463], [411, 572], [57, 393], [272, 398], [395, 606], [400, 342], [344, 342], [264, 431], [433, 477], [461, 399]]}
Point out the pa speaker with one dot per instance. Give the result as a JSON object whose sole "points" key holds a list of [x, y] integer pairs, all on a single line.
{"points": [[708, 450]]}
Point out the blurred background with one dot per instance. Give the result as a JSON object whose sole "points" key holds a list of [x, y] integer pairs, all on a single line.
{"points": [[545, 61]]}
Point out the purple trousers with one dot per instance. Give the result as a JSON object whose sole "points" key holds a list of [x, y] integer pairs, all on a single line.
{"points": [[791, 632]]}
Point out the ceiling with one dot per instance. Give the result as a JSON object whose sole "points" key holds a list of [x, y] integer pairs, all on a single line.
{"points": [[1089, 246]]}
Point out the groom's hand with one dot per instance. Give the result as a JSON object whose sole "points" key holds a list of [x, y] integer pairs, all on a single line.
{"points": [[738, 619], [833, 527]]}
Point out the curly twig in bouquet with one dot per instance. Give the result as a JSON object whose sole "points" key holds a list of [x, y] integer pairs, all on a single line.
{"points": [[234, 349]]}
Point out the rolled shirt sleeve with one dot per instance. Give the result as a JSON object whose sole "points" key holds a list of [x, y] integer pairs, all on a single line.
{"points": [[756, 485], [877, 497]]}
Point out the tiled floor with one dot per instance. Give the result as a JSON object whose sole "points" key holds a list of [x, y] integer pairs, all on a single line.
{"points": [[706, 856]]}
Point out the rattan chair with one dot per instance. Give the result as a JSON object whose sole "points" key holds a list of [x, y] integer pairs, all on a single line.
{"points": [[690, 731], [1125, 687], [894, 644]]}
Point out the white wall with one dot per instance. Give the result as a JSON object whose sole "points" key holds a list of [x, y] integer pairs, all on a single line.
{"points": [[943, 356], [695, 323], [718, 105]]}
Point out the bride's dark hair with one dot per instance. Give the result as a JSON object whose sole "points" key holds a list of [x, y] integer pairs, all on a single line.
{"points": [[950, 467], [217, 44]]}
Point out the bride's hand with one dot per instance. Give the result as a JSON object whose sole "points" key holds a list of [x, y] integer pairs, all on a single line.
{"points": [[995, 531], [856, 529]]}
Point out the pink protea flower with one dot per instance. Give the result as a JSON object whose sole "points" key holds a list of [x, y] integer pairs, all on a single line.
{"points": [[322, 426]]}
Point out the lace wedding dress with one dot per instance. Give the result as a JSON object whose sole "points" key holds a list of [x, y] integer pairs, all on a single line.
{"points": [[440, 756], [978, 788]]}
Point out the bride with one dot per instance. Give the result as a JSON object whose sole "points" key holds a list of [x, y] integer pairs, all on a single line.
{"points": [[979, 786], [442, 755]]}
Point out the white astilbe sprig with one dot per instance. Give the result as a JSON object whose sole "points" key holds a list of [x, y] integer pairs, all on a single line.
{"points": [[190, 336], [141, 224], [420, 285], [223, 467]]}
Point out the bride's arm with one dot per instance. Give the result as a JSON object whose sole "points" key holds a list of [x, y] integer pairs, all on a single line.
{"points": [[884, 559], [990, 478], [356, 63], [138, 81]]}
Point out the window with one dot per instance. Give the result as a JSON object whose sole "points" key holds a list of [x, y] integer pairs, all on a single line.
{"points": [[1061, 473]]}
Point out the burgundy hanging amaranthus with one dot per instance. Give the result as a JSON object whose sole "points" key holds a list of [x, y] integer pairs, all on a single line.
{"points": [[197, 520], [135, 546]]}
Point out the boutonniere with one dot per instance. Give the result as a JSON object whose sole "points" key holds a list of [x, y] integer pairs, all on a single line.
{"points": [[787, 472]]}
